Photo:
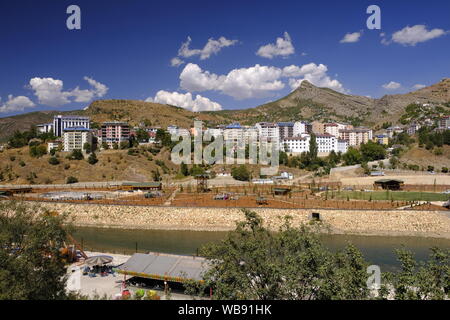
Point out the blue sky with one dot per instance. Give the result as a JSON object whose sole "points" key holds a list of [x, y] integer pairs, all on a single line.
{"points": [[124, 51]]}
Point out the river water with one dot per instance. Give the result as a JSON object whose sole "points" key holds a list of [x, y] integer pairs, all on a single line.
{"points": [[377, 250]]}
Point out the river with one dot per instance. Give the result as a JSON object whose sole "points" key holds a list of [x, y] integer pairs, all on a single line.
{"points": [[377, 250]]}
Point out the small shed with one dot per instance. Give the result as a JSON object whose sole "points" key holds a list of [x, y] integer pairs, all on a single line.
{"points": [[281, 191], [388, 184]]}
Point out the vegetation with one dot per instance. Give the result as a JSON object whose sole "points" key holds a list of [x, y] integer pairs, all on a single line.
{"points": [[53, 161], [92, 159], [31, 264], [38, 151], [240, 173], [76, 155], [393, 195], [71, 180], [293, 264]]}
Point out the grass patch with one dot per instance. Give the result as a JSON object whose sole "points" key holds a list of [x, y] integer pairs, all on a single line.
{"points": [[393, 195]]}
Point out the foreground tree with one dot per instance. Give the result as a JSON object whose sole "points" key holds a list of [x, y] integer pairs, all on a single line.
{"points": [[293, 264], [31, 265], [254, 263]]}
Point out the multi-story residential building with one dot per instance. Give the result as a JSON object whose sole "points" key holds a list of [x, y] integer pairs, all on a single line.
{"points": [[44, 128], [412, 128], [382, 139], [115, 132], [331, 128], [233, 132], [326, 143], [301, 127], [62, 122], [317, 127], [214, 132], [285, 130], [53, 145], [76, 137], [342, 146], [444, 123], [391, 131], [268, 131], [356, 136], [295, 145]]}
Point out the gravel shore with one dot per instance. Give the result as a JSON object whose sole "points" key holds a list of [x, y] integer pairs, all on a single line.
{"points": [[367, 222]]}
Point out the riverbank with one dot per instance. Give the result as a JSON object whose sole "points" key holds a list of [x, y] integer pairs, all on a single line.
{"points": [[364, 222]]}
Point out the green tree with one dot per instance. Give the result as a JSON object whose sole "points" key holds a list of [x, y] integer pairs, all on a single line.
{"points": [[87, 147], [38, 151], [312, 154], [76, 155], [184, 169], [240, 173], [352, 156], [31, 264], [372, 151], [92, 159], [255, 263]]}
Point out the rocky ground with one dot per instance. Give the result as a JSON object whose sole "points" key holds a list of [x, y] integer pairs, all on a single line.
{"points": [[363, 222]]}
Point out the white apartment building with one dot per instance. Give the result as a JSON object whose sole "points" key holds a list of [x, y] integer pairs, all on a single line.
{"points": [[214, 132], [342, 146], [295, 144], [75, 138], [301, 127], [268, 131], [53, 145], [233, 132], [326, 143], [44, 128], [62, 122], [285, 130]]}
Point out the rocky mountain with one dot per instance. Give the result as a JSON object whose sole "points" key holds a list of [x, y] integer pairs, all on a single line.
{"points": [[313, 103]]}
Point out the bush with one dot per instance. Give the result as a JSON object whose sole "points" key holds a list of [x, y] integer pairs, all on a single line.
{"points": [[71, 180], [76, 155], [22, 163], [12, 158], [53, 161], [240, 173], [38, 151], [92, 159], [444, 170]]}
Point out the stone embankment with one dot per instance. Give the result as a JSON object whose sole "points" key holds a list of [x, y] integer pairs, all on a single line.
{"points": [[392, 222]]}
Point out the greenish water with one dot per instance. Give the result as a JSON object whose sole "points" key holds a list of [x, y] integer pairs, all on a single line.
{"points": [[376, 249]]}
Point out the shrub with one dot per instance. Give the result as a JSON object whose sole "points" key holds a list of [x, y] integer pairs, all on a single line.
{"points": [[53, 161], [240, 173], [444, 170], [92, 159], [22, 163], [71, 180]]}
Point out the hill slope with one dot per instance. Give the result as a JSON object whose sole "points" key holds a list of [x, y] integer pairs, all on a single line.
{"points": [[313, 103], [306, 102]]}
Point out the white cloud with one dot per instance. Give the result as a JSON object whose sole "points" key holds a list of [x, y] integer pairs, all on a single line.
{"points": [[392, 85], [185, 100], [50, 91], [351, 37], [282, 47], [18, 103], [257, 81], [316, 74], [211, 47], [410, 36], [243, 83], [418, 86], [175, 62]]}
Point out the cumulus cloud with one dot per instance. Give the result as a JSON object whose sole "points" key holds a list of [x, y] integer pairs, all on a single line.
{"points": [[410, 36], [50, 91], [211, 47], [243, 83], [418, 86], [185, 100], [257, 81], [392, 85], [19, 103], [351, 37], [282, 47], [316, 74]]}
